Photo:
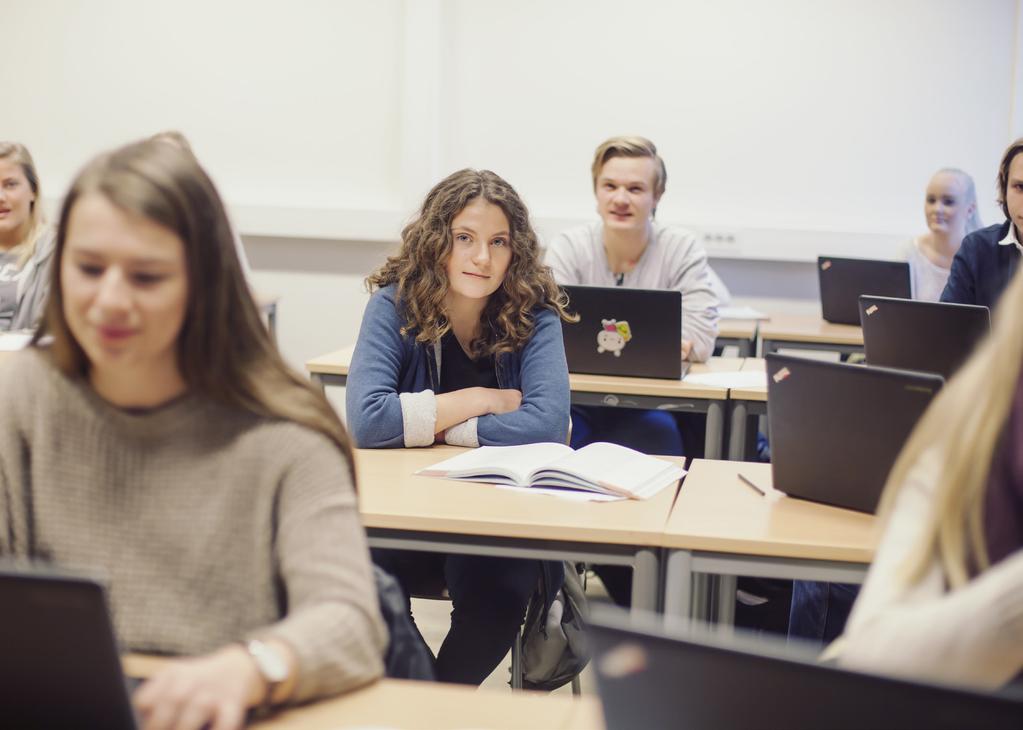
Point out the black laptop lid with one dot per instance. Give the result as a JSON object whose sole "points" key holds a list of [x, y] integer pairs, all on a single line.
{"points": [[933, 337], [842, 281], [650, 678], [836, 429], [59, 664], [634, 332]]}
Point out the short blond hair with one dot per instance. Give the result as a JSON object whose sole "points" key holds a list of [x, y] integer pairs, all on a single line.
{"points": [[630, 146]]}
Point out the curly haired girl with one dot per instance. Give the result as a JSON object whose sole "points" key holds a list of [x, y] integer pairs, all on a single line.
{"points": [[461, 343]]}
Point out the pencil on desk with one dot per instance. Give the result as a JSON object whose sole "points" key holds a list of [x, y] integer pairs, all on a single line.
{"points": [[748, 481]]}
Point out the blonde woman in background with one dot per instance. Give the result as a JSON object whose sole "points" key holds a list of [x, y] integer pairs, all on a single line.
{"points": [[950, 208], [26, 243], [944, 597]]}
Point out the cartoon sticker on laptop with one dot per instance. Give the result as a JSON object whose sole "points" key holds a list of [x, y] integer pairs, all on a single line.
{"points": [[612, 336]]}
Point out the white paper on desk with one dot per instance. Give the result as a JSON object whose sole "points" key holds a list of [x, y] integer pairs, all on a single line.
{"points": [[572, 495], [752, 379], [741, 313], [12, 341]]}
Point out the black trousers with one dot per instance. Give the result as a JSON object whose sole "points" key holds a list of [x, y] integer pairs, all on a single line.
{"points": [[488, 604]]}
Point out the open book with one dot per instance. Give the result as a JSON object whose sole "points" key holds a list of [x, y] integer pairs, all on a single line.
{"points": [[600, 467]]}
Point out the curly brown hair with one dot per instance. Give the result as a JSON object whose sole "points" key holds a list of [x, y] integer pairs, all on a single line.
{"points": [[419, 268]]}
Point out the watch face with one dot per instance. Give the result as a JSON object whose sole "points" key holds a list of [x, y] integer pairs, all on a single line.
{"points": [[271, 664]]}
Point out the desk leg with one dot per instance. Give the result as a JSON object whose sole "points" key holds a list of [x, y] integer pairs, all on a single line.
{"points": [[701, 597], [737, 438], [726, 603], [715, 434], [678, 588], [645, 575]]}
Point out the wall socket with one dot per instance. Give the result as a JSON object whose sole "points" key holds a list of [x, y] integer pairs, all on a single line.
{"points": [[720, 243], [719, 239]]}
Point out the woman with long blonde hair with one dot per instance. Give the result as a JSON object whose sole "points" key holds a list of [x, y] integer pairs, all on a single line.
{"points": [[944, 596], [461, 343], [26, 242], [153, 432]]}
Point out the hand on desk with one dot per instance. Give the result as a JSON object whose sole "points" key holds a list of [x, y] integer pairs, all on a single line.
{"points": [[687, 347], [209, 691]]}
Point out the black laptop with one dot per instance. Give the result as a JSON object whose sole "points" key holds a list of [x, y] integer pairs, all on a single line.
{"points": [[59, 662], [651, 678], [836, 429], [842, 281], [933, 337], [632, 332]]}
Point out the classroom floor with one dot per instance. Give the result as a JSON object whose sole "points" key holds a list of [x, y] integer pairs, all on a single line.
{"points": [[433, 617]]}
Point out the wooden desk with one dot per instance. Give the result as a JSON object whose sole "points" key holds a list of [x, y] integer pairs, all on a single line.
{"points": [[721, 526], [741, 333], [809, 332], [331, 369], [669, 395], [404, 511], [604, 390], [394, 703]]}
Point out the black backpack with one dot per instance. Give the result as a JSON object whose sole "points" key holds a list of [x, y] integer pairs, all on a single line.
{"points": [[554, 644]]}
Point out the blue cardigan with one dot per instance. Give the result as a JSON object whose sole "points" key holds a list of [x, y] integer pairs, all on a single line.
{"points": [[981, 268], [392, 381]]}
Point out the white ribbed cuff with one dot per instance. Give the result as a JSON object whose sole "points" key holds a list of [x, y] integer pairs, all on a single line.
{"points": [[463, 434], [418, 417]]}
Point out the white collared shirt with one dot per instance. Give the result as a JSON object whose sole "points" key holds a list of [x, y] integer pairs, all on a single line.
{"points": [[1010, 239]]}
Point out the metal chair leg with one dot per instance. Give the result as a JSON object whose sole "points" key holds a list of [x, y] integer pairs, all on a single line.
{"points": [[516, 662]]}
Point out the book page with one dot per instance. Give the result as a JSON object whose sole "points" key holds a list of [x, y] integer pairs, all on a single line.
{"points": [[515, 462], [617, 469]]}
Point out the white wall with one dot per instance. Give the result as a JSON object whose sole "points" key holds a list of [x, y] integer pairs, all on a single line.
{"points": [[790, 127]]}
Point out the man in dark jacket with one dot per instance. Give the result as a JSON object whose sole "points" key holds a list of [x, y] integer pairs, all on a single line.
{"points": [[989, 257]]}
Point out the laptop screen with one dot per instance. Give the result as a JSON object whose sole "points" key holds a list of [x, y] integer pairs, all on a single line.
{"points": [[631, 332], [649, 677], [60, 665], [836, 429]]}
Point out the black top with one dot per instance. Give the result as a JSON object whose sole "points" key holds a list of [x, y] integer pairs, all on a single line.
{"points": [[458, 371], [982, 267]]}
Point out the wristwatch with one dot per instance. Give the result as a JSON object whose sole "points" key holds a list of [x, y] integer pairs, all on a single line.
{"points": [[271, 665]]}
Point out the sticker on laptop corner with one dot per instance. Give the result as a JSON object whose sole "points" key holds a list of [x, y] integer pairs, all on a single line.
{"points": [[612, 336], [825, 265], [782, 374], [871, 309], [623, 660]]}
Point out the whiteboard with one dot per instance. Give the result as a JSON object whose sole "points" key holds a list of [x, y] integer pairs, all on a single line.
{"points": [[783, 123]]}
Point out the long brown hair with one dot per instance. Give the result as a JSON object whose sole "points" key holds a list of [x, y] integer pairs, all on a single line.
{"points": [[223, 351], [419, 268]]}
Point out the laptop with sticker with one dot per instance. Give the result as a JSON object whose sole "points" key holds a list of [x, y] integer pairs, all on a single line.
{"points": [[61, 666], [836, 429], [652, 677], [842, 281], [621, 331], [932, 337]]}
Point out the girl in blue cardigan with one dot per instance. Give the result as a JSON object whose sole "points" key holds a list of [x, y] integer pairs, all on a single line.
{"points": [[461, 344]]}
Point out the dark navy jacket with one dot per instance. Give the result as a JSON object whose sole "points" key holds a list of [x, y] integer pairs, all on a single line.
{"points": [[982, 268]]}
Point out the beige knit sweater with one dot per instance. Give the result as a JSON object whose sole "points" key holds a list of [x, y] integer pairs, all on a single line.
{"points": [[210, 524]]}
